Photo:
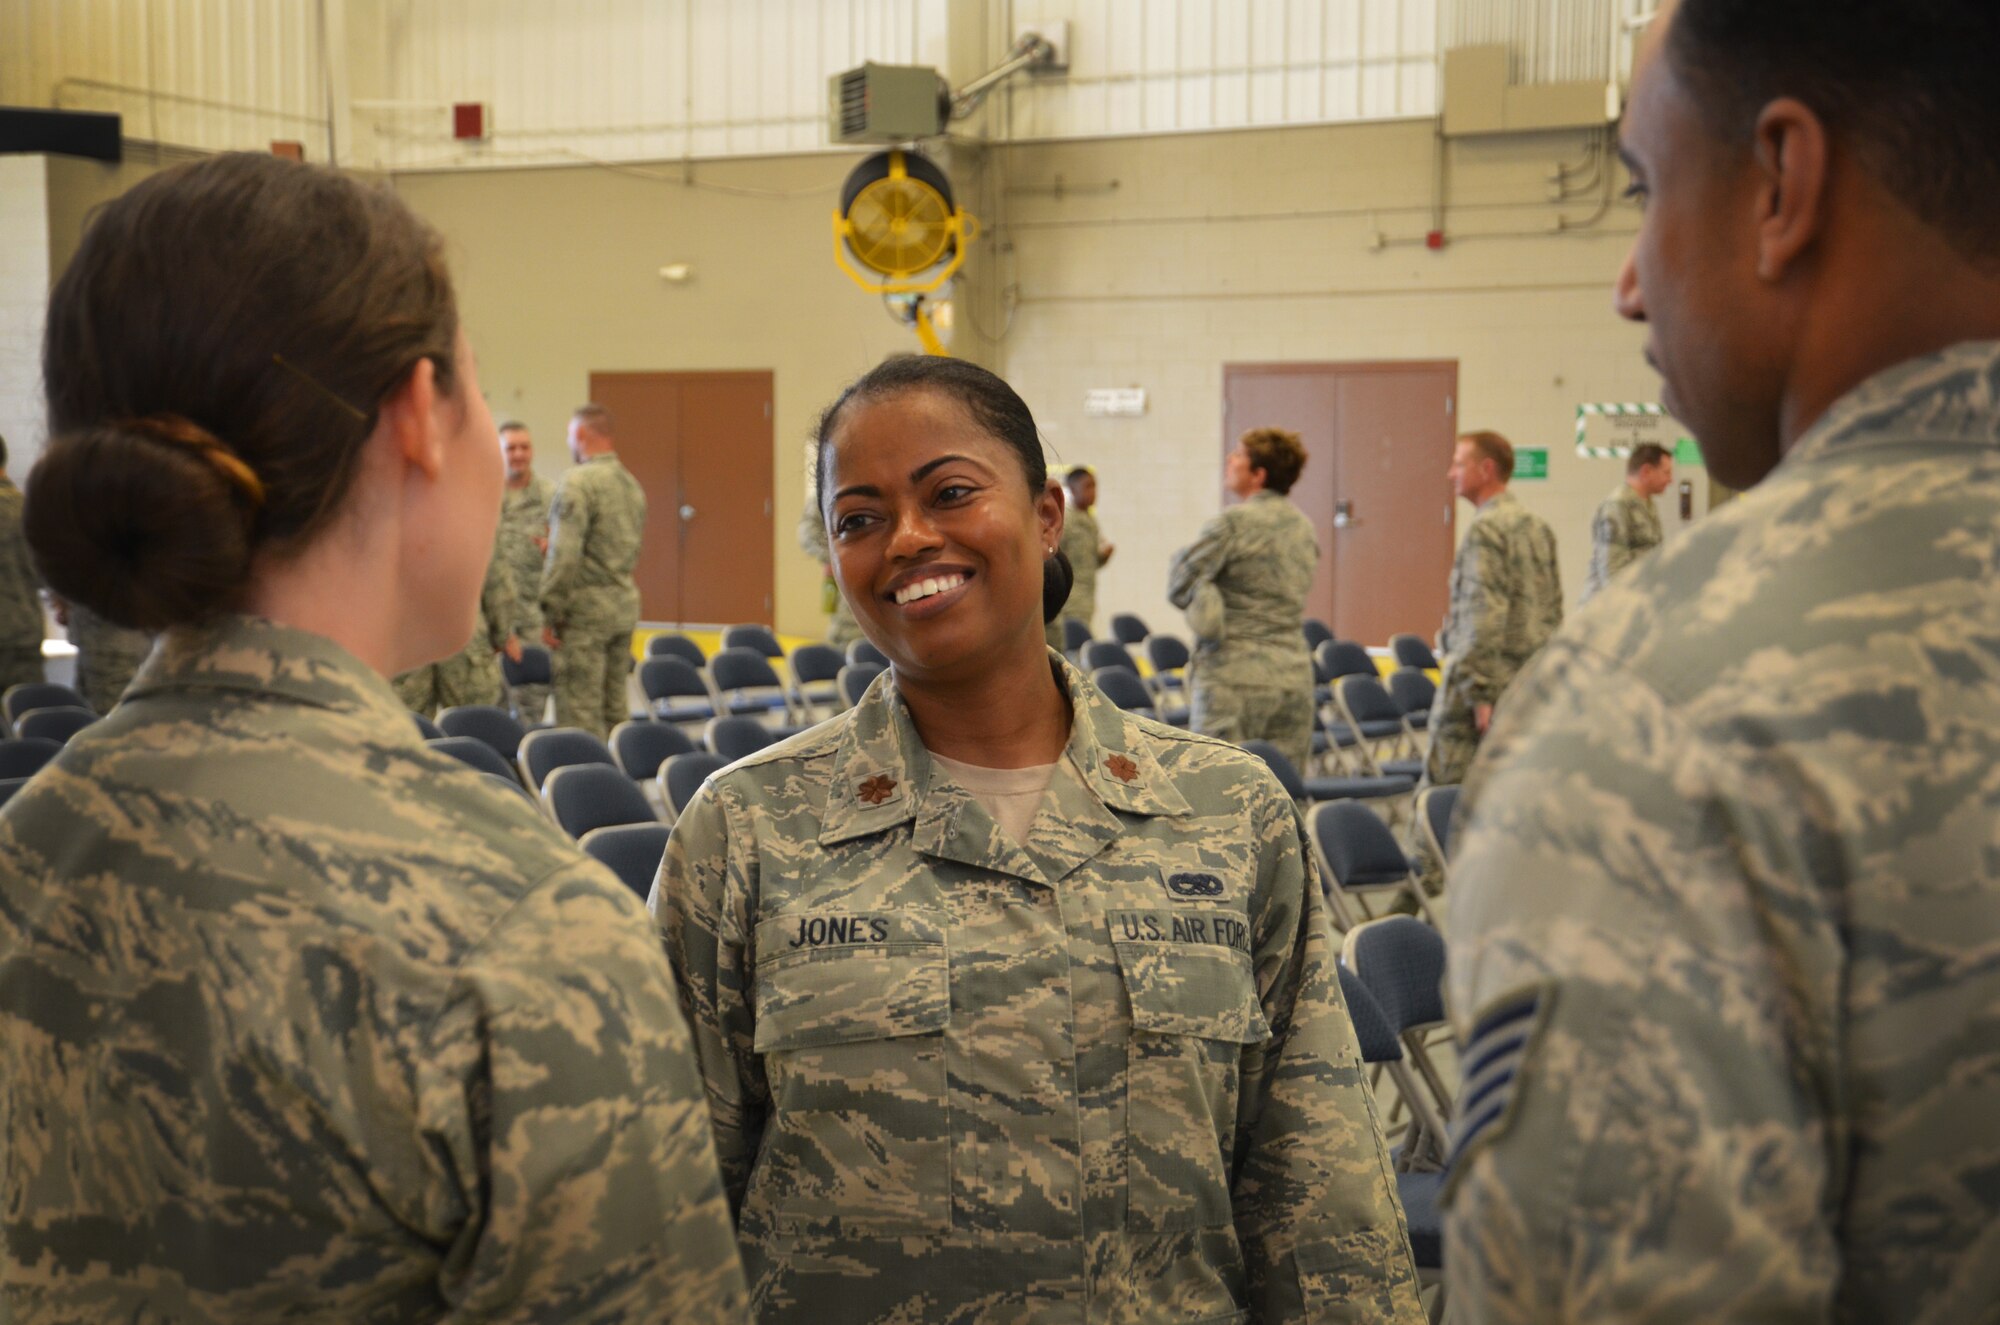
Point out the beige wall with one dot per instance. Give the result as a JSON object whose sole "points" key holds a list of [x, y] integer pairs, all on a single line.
{"points": [[1230, 248], [1211, 249], [558, 273]]}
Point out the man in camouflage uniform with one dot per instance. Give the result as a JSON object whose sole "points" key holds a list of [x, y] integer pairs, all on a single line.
{"points": [[302, 1021], [472, 675], [106, 655], [1727, 902], [21, 623], [1626, 526], [841, 627], [1086, 549], [1506, 600], [589, 602], [1252, 677], [1100, 1072], [524, 542]]}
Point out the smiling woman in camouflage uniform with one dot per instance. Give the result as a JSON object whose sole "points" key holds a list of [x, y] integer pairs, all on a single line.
{"points": [[299, 1020], [1013, 1006]]}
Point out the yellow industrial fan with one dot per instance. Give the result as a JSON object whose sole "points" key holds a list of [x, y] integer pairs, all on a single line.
{"points": [[899, 234]]}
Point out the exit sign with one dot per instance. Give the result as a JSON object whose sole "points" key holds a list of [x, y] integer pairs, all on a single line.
{"points": [[1531, 462]]}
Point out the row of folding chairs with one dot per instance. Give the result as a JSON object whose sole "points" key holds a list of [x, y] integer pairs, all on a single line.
{"points": [[683, 684]]}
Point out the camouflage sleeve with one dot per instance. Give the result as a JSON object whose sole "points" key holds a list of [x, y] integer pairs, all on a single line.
{"points": [[1645, 982], [559, 1089], [1315, 1197], [1617, 538], [698, 902], [1477, 665], [569, 521], [496, 600], [1199, 562]]}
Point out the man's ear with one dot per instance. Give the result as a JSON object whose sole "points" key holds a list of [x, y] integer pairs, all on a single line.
{"points": [[1789, 149], [408, 414]]}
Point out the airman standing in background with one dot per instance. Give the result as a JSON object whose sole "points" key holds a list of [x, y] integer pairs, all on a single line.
{"points": [[1252, 676], [22, 625], [1506, 600], [524, 543], [1086, 549], [1626, 526], [590, 604]]}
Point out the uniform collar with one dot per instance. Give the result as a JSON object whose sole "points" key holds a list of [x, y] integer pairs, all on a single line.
{"points": [[1950, 396], [883, 777], [1497, 500], [254, 656]]}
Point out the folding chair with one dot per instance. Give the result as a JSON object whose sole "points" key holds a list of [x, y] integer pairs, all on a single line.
{"points": [[1106, 653], [1128, 629], [484, 722], [1317, 632], [855, 678], [756, 638], [426, 728], [1418, 1189], [815, 670], [536, 668], [1075, 635], [633, 851], [8, 786], [1414, 694], [746, 683], [1435, 806], [1367, 710], [681, 777], [28, 695], [670, 645], [1358, 855], [1127, 691], [474, 754], [1401, 960], [55, 724], [675, 690], [1307, 790], [1169, 657], [25, 756], [861, 652], [1343, 657], [513, 784], [580, 797], [737, 737], [641, 747], [544, 751], [1411, 651]]}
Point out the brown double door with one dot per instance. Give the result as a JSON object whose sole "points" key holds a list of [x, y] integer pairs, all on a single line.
{"points": [[700, 445], [1378, 439]]}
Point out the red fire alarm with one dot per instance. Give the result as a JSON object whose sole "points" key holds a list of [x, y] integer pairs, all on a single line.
{"points": [[288, 149], [468, 120], [1434, 240]]}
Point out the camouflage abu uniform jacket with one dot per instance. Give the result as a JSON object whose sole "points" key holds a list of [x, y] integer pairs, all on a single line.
{"points": [[299, 1020], [22, 625], [595, 524], [1730, 860], [1506, 600], [1106, 1076], [524, 517], [1261, 554], [1625, 528]]}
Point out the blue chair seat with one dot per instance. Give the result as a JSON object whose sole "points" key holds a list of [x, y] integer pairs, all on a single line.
{"points": [[1358, 788], [1403, 768], [1420, 1206]]}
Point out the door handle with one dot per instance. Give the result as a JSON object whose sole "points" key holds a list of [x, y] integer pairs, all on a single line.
{"points": [[1343, 514], [687, 512]]}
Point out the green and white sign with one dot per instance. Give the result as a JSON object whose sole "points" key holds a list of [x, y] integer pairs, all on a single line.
{"points": [[1610, 431], [1531, 462]]}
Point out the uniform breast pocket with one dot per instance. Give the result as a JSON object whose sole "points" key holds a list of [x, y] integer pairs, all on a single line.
{"points": [[851, 1011], [1194, 1008]]}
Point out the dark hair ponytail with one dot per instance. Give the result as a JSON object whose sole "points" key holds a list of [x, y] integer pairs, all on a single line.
{"points": [[215, 354], [1058, 578]]}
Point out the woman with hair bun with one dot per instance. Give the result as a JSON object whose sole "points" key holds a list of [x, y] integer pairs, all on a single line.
{"points": [[1014, 1006], [299, 1020]]}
